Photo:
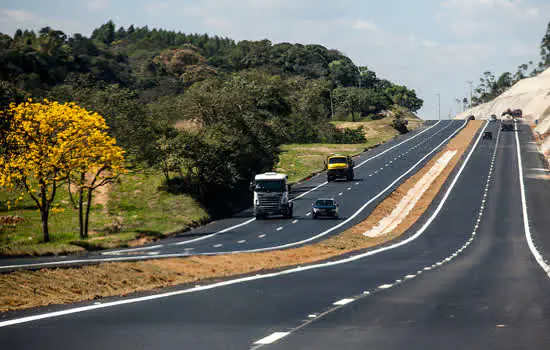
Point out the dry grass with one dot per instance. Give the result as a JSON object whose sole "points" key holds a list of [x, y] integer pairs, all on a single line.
{"points": [[26, 289]]}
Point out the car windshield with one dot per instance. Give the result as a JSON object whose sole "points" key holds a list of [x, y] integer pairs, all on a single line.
{"points": [[324, 202], [337, 160], [270, 186]]}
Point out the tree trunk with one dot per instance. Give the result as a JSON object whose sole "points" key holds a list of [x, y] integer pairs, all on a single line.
{"points": [[80, 213], [44, 213], [88, 206]]}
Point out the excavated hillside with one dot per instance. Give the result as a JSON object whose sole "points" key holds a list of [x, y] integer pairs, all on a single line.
{"points": [[532, 96]]}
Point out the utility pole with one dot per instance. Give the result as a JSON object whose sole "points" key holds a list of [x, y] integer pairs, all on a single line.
{"points": [[439, 106], [470, 83]]}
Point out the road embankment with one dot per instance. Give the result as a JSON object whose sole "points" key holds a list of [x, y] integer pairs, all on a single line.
{"points": [[27, 289]]}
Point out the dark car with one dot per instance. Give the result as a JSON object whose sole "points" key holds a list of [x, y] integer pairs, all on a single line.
{"points": [[487, 135], [325, 207], [471, 117]]}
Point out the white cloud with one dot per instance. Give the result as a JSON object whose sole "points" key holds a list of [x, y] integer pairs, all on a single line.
{"points": [[429, 43], [156, 7], [364, 25], [18, 15], [97, 4], [11, 19], [468, 18]]}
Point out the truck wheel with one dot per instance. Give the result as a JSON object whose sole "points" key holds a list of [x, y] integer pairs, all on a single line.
{"points": [[290, 213], [314, 217], [259, 217]]}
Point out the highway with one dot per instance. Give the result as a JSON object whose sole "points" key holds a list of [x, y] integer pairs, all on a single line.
{"points": [[378, 172], [471, 274]]}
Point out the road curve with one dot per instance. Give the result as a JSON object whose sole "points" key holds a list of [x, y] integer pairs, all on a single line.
{"points": [[378, 172], [413, 282]]}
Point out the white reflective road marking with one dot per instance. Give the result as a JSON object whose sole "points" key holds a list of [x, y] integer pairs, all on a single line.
{"points": [[527, 229], [343, 301], [271, 338]]}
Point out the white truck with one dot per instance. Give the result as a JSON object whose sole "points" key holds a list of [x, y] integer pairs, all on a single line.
{"points": [[271, 195]]}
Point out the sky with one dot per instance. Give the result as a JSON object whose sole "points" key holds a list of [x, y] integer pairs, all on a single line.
{"points": [[432, 46]]}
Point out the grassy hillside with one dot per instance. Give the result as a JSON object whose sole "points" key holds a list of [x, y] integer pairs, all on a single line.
{"points": [[130, 212]]}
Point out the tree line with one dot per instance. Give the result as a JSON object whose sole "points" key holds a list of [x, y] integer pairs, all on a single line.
{"points": [[207, 111]]}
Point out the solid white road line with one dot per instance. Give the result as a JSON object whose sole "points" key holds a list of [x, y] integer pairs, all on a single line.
{"points": [[117, 252], [257, 277], [271, 338], [528, 235], [216, 233], [343, 301]]}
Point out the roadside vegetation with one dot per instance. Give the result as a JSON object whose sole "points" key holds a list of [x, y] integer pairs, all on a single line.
{"points": [[195, 115]]}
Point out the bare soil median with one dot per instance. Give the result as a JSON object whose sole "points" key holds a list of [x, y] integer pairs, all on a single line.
{"points": [[27, 289]]}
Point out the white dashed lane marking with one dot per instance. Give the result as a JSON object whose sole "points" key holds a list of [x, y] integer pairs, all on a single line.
{"points": [[271, 338], [217, 245], [295, 221], [343, 301], [242, 241], [279, 228], [262, 236]]}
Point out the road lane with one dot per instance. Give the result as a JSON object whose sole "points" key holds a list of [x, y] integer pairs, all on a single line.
{"points": [[494, 296], [248, 229]]}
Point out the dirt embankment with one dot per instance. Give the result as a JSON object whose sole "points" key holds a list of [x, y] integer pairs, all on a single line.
{"points": [[532, 96], [26, 289]]}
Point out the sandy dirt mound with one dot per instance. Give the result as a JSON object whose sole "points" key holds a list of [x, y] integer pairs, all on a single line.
{"points": [[532, 96]]}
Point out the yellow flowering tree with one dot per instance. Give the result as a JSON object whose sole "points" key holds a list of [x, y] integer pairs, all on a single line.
{"points": [[46, 143]]}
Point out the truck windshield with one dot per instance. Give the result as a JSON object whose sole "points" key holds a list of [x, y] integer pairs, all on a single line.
{"points": [[337, 160], [270, 186]]}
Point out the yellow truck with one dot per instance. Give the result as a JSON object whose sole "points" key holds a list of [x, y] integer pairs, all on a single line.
{"points": [[339, 167]]}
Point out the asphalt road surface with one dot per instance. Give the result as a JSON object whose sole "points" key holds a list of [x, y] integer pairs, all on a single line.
{"points": [[378, 172], [469, 275]]}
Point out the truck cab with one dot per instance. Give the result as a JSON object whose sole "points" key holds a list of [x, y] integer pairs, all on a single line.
{"points": [[271, 195], [339, 167]]}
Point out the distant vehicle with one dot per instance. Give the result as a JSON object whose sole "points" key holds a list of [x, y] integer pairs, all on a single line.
{"points": [[507, 123], [471, 117], [493, 118], [487, 135], [325, 207], [339, 166], [516, 113], [271, 195]]}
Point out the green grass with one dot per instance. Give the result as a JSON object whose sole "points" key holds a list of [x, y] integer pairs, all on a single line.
{"points": [[135, 209]]}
